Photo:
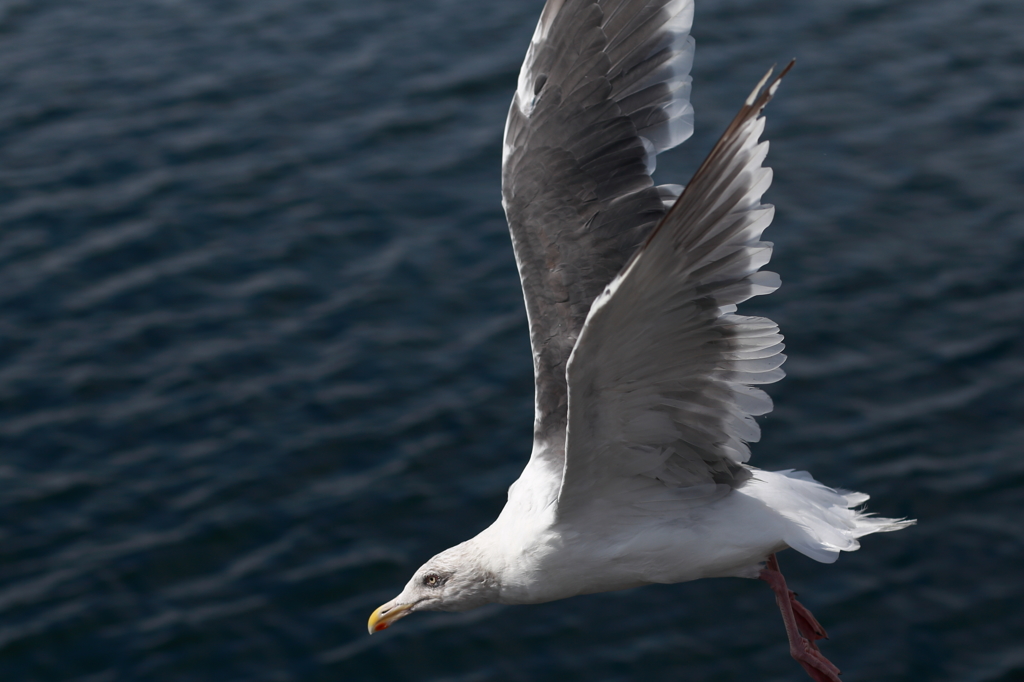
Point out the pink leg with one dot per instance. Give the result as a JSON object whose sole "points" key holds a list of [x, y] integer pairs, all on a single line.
{"points": [[801, 627]]}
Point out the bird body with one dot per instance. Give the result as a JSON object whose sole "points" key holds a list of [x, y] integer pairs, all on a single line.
{"points": [[530, 556], [610, 552], [646, 377]]}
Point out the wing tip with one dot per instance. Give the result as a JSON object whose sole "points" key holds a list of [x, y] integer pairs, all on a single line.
{"points": [[761, 95]]}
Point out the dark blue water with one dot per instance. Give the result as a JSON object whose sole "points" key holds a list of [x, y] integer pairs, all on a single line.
{"points": [[263, 350]]}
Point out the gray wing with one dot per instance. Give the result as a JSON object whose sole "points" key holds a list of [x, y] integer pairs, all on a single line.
{"points": [[661, 402], [603, 89]]}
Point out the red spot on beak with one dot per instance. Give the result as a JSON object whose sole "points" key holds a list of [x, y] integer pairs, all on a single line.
{"points": [[380, 626]]}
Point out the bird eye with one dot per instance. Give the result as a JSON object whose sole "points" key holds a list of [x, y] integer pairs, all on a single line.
{"points": [[432, 580]]}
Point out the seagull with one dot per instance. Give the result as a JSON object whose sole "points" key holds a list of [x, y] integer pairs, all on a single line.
{"points": [[646, 377]]}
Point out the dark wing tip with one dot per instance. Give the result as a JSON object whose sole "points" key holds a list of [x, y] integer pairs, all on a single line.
{"points": [[757, 102]]}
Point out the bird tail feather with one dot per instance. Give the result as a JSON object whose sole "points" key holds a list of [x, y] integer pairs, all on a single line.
{"points": [[822, 521]]}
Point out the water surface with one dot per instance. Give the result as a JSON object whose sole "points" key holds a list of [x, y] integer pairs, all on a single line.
{"points": [[263, 349]]}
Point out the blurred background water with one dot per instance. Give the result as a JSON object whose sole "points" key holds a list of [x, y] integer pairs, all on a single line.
{"points": [[263, 348]]}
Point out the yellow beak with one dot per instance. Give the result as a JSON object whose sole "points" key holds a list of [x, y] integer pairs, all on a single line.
{"points": [[385, 615]]}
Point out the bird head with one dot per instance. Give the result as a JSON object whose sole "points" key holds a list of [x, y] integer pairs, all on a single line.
{"points": [[454, 580]]}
